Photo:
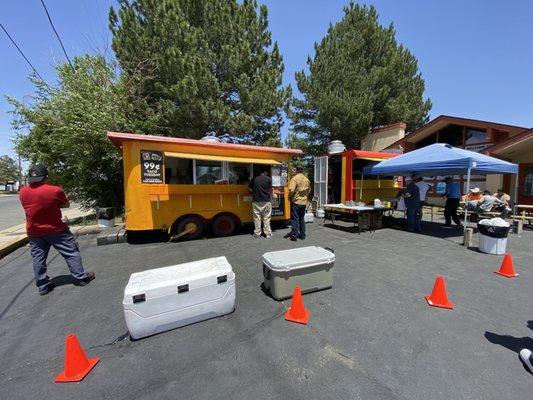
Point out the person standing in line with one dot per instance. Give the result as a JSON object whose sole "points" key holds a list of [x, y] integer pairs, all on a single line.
{"points": [[423, 187], [42, 204], [261, 188], [299, 188], [453, 195], [411, 197]]}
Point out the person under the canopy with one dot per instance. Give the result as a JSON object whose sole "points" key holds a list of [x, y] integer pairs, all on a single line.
{"points": [[411, 197], [474, 195]]}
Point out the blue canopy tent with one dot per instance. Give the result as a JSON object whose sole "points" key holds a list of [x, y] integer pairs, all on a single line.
{"points": [[443, 159]]}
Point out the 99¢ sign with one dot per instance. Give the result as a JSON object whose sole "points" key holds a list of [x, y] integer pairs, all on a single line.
{"points": [[151, 166]]}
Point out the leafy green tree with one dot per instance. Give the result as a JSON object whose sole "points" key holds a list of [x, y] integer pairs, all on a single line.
{"points": [[65, 125], [206, 65], [359, 78], [9, 170]]}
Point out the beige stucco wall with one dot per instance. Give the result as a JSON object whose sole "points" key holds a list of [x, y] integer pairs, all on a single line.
{"points": [[377, 141], [494, 182]]}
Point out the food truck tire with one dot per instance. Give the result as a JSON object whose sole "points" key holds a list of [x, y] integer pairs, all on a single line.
{"points": [[193, 223], [223, 225]]}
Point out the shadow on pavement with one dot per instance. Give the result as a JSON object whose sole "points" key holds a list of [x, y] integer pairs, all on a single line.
{"points": [[510, 342], [61, 280], [158, 236]]}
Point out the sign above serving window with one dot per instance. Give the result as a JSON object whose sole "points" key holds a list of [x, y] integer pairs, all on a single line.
{"points": [[151, 166]]}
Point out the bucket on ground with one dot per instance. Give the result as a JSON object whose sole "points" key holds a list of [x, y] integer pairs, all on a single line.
{"points": [[106, 217]]}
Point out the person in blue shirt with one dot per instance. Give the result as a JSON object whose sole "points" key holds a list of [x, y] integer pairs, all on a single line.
{"points": [[411, 197], [453, 195]]}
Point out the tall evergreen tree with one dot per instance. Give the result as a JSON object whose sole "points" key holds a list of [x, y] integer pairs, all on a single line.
{"points": [[204, 65], [360, 78]]}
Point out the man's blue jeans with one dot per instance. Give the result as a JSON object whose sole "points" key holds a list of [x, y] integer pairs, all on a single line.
{"points": [[298, 220], [413, 220], [65, 243]]}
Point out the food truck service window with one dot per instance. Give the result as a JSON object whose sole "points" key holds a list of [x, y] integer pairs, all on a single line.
{"points": [[207, 172], [179, 171], [239, 173]]}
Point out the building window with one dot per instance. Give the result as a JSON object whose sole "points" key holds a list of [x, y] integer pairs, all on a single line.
{"points": [[476, 136], [179, 171], [528, 182], [239, 174], [452, 134], [208, 172]]}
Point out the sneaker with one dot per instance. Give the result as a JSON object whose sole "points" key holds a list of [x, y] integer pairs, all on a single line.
{"points": [[527, 358], [47, 289], [85, 281], [268, 236], [301, 237], [256, 236]]}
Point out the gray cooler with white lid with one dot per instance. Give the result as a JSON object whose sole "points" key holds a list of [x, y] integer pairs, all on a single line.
{"points": [[311, 268], [161, 299]]}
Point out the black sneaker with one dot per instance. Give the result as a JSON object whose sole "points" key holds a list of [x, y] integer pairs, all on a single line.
{"points": [[85, 281], [301, 237], [47, 289]]}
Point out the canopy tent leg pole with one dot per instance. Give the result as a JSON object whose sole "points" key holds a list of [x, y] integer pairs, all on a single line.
{"points": [[467, 191], [515, 196], [361, 188]]}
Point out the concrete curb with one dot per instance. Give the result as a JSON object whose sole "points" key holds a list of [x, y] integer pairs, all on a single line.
{"points": [[12, 245], [22, 240]]}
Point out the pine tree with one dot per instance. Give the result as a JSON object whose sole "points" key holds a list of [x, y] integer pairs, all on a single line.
{"points": [[204, 65], [359, 78]]}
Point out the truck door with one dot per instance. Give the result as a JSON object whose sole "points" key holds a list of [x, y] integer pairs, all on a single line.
{"points": [[321, 179]]}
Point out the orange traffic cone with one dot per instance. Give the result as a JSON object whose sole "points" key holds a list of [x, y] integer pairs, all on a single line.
{"points": [[77, 365], [438, 297], [507, 268], [297, 312]]}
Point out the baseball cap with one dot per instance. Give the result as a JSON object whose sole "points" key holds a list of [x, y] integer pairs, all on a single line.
{"points": [[37, 173]]}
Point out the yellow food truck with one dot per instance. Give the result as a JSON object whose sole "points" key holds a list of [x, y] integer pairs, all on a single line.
{"points": [[184, 186]]}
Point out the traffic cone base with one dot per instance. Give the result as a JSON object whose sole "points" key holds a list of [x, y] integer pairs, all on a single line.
{"points": [[62, 377], [297, 311], [439, 298], [507, 268], [506, 275], [446, 305], [303, 320], [77, 365]]}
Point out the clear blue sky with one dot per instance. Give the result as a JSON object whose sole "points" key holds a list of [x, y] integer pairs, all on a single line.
{"points": [[475, 56]]}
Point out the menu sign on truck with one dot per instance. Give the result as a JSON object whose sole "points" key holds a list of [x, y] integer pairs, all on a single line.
{"points": [[151, 166]]}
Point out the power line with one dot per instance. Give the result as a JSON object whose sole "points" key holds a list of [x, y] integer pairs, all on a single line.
{"points": [[21, 53], [57, 34]]}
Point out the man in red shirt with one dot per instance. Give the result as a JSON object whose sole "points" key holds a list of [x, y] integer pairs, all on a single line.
{"points": [[42, 204]]}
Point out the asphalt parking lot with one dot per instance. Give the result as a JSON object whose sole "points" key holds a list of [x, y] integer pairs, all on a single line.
{"points": [[372, 336]]}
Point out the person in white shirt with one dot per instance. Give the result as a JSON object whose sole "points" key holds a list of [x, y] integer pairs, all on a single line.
{"points": [[423, 188]]}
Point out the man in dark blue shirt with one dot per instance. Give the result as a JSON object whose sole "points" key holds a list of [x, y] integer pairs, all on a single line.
{"points": [[453, 195], [411, 197]]}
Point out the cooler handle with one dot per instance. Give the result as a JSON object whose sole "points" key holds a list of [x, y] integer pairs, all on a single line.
{"points": [[183, 288], [330, 249]]}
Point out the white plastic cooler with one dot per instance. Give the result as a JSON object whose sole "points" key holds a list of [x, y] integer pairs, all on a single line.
{"points": [[310, 267], [161, 299]]}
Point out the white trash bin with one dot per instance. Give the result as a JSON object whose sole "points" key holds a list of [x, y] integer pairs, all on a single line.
{"points": [[493, 235]]}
